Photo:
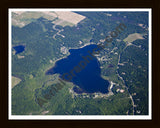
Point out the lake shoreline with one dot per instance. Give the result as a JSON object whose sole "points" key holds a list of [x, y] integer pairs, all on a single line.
{"points": [[88, 73]]}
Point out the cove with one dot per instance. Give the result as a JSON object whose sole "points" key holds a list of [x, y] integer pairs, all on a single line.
{"points": [[84, 70], [19, 48]]}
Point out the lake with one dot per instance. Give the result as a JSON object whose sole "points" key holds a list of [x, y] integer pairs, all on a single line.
{"points": [[19, 48], [83, 69]]}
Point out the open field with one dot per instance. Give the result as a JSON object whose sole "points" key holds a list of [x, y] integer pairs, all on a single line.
{"points": [[71, 17], [64, 18], [15, 81], [133, 37], [18, 12]]}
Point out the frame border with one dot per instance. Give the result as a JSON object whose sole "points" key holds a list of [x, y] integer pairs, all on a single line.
{"points": [[85, 117], [154, 4]]}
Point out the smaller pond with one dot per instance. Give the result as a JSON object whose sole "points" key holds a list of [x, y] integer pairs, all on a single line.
{"points": [[19, 48]]}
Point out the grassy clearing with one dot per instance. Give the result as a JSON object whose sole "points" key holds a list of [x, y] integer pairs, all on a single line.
{"points": [[15, 81], [133, 37]]}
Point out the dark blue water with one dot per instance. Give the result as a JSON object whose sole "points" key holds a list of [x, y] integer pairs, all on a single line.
{"points": [[83, 69], [19, 48]]}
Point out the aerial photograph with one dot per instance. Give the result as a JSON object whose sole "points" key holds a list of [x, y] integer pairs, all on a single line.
{"points": [[82, 62]]}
